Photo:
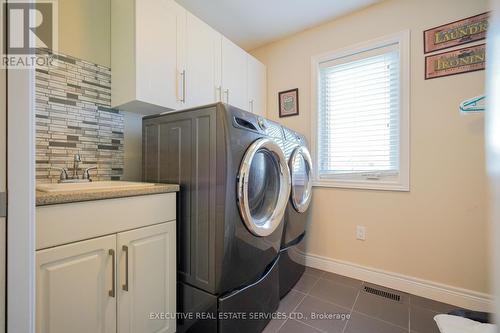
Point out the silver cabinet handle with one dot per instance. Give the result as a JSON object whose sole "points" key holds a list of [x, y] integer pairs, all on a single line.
{"points": [[251, 105], [183, 74], [112, 292], [226, 92], [125, 249]]}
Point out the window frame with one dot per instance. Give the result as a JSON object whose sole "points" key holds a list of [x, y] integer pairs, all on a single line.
{"points": [[402, 181]]}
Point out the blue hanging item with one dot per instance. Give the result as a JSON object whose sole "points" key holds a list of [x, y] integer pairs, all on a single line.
{"points": [[476, 104]]}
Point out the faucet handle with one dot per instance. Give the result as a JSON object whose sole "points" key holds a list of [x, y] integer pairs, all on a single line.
{"points": [[64, 172], [86, 173]]}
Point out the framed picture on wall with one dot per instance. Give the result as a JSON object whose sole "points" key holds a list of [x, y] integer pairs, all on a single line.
{"points": [[289, 102], [456, 33], [468, 59]]}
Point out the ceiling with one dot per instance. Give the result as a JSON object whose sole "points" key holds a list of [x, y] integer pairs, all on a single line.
{"points": [[253, 23]]}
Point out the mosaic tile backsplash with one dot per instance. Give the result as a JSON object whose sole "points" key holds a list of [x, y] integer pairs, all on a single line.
{"points": [[73, 116]]}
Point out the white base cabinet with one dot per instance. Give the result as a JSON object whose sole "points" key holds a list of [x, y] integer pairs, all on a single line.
{"points": [[91, 285], [147, 279], [74, 286]]}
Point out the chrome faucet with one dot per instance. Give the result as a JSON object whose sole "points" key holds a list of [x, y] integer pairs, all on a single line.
{"points": [[86, 173], [76, 161], [64, 178]]}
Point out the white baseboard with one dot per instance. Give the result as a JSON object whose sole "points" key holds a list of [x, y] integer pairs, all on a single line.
{"points": [[459, 297]]}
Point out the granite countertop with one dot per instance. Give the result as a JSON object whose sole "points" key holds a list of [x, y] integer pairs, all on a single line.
{"points": [[54, 198]]}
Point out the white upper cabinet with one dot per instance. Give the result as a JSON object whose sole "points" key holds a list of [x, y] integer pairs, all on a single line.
{"points": [[165, 58], [257, 84], [147, 51], [203, 63], [234, 75]]}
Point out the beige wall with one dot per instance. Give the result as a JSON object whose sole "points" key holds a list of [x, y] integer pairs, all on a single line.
{"points": [[493, 153], [437, 231], [85, 30]]}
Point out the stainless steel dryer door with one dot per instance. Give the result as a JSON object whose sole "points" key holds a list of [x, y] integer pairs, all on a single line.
{"points": [[300, 164], [263, 187]]}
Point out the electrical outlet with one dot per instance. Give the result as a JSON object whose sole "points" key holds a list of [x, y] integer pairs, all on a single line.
{"points": [[361, 233]]}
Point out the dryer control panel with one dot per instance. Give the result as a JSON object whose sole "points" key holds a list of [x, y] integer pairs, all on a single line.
{"points": [[249, 121]]}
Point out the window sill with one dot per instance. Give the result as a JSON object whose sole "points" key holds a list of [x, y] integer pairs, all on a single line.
{"points": [[363, 185]]}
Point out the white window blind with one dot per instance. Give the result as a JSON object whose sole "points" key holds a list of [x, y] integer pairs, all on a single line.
{"points": [[358, 119]]}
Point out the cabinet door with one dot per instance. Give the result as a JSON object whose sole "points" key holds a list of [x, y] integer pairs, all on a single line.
{"points": [[75, 287], [159, 39], [147, 279], [202, 63], [257, 86], [234, 74]]}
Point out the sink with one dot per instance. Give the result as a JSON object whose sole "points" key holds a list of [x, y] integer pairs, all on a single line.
{"points": [[91, 186]]}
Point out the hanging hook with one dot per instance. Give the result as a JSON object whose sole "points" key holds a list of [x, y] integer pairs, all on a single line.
{"points": [[476, 104]]}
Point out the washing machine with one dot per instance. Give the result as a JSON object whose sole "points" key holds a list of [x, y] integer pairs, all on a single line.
{"points": [[297, 214], [234, 189]]}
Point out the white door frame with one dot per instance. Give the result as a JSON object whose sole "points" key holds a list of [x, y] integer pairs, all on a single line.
{"points": [[492, 124], [21, 200]]}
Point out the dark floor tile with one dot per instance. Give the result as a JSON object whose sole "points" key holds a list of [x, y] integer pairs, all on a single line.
{"points": [[287, 305], [359, 323], [382, 308], [290, 301], [314, 271], [334, 292], [422, 320], [274, 325], [306, 283], [293, 326], [342, 279], [431, 305], [322, 315]]}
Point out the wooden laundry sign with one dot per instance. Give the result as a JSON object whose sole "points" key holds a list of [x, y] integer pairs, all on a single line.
{"points": [[464, 60], [456, 33]]}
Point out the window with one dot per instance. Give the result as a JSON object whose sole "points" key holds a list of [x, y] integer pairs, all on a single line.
{"points": [[361, 115]]}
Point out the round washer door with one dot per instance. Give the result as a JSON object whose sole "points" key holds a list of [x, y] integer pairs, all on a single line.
{"points": [[300, 165], [263, 187]]}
